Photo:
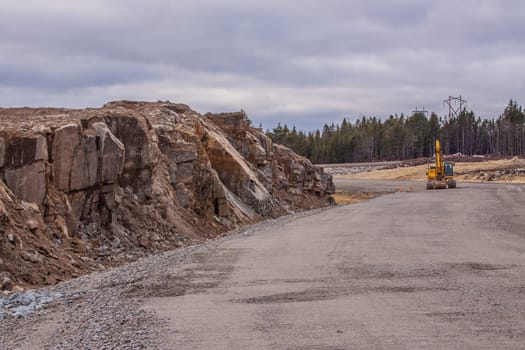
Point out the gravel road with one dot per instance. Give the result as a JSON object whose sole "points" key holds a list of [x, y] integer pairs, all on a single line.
{"points": [[441, 269]]}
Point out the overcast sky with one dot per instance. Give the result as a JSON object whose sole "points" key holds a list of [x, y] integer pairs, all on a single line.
{"points": [[300, 62]]}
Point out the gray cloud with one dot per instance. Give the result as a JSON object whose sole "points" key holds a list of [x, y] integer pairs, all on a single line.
{"points": [[298, 62]]}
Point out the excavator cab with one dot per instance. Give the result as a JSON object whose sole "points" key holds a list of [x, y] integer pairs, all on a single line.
{"points": [[449, 169]]}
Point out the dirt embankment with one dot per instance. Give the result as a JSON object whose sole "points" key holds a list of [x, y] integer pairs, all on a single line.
{"points": [[471, 169], [502, 170]]}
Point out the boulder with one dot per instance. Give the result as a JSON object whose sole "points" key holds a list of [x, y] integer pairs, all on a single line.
{"points": [[5, 283]]}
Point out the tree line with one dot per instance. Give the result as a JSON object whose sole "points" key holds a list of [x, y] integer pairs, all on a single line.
{"points": [[399, 137]]}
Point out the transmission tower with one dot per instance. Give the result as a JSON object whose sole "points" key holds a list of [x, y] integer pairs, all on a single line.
{"points": [[425, 112], [455, 105]]}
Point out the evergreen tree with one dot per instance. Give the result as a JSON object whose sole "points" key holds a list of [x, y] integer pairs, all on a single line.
{"points": [[400, 138]]}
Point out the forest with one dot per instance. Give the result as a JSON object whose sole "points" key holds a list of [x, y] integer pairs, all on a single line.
{"points": [[400, 137]]}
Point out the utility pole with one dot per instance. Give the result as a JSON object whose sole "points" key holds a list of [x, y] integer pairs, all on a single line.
{"points": [[455, 105]]}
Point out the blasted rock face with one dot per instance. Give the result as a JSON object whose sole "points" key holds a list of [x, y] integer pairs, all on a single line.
{"points": [[74, 158], [111, 154], [131, 178], [28, 182], [83, 158], [23, 159], [235, 172]]}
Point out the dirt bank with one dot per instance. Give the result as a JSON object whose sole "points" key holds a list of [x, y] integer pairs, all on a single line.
{"points": [[503, 170]]}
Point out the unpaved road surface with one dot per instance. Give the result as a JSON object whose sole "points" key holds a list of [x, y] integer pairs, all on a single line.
{"points": [[441, 269]]}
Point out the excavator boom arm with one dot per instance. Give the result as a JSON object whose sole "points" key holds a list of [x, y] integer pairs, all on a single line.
{"points": [[439, 160]]}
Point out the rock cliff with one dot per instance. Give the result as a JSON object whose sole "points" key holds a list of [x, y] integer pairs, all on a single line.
{"points": [[84, 189]]}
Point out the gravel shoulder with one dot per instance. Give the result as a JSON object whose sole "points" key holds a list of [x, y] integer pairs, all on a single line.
{"points": [[104, 310]]}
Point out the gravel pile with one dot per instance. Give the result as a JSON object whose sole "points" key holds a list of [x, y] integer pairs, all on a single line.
{"points": [[351, 170]]}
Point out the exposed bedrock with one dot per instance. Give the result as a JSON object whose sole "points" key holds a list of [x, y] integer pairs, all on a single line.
{"points": [[83, 189]]}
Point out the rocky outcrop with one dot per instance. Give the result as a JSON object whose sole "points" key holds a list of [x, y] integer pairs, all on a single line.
{"points": [[83, 189]]}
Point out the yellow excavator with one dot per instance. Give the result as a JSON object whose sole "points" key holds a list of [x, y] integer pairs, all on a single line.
{"points": [[441, 174]]}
